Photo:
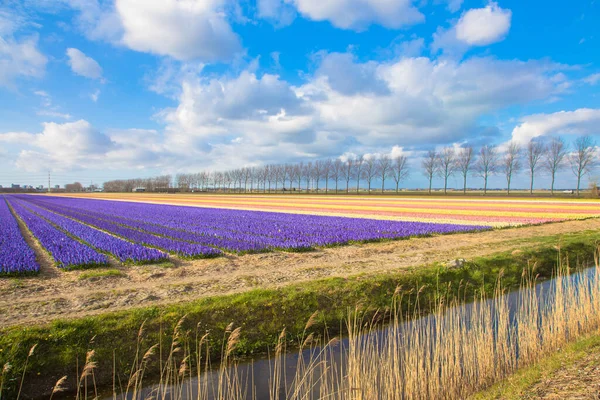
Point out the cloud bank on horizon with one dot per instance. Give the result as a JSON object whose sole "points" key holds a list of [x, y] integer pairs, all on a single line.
{"points": [[98, 89]]}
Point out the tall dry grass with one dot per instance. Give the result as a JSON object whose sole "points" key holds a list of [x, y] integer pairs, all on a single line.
{"points": [[451, 353]]}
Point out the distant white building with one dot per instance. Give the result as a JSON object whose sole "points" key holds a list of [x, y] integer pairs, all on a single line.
{"points": [[139, 189]]}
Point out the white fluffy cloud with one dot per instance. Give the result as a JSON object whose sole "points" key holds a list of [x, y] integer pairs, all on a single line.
{"points": [[358, 14], [583, 121], [483, 26], [346, 14], [83, 65], [78, 145], [280, 12], [20, 58], [230, 121], [183, 29], [410, 103], [476, 27], [60, 146]]}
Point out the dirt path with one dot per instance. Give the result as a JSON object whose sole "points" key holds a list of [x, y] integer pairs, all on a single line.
{"points": [[65, 295]]}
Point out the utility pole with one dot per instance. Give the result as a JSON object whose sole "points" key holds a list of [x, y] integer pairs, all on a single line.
{"points": [[48, 181]]}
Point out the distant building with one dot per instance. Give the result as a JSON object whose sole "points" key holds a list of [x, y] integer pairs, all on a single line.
{"points": [[13, 186], [138, 190]]}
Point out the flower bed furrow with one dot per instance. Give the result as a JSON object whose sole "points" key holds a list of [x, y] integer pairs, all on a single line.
{"points": [[184, 249], [16, 257], [66, 251], [123, 250], [241, 245]]}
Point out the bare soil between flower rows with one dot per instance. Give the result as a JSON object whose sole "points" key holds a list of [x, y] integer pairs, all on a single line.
{"points": [[56, 294]]}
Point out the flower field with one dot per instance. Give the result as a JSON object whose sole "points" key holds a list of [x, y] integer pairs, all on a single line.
{"points": [[497, 212], [79, 233], [16, 257]]}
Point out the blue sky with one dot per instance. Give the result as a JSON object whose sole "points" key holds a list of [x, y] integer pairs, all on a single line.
{"points": [[95, 90]]}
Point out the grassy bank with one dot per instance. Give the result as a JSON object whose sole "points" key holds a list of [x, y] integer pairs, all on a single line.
{"points": [[520, 384], [262, 314]]}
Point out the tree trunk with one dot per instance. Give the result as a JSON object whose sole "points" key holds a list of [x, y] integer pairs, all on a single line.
{"points": [[445, 185], [578, 183], [347, 186], [552, 185], [531, 185], [465, 184], [485, 185], [430, 180]]}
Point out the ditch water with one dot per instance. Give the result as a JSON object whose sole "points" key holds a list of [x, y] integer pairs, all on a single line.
{"points": [[256, 376]]}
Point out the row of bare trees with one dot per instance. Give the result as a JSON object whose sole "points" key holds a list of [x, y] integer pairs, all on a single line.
{"points": [[155, 184], [536, 157], [332, 174], [319, 175]]}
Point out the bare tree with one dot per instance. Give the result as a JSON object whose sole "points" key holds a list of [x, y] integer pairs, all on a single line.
{"points": [[554, 159], [228, 180], [347, 171], [582, 159], [511, 163], [464, 163], [336, 171], [264, 176], [326, 173], [446, 165], [277, 175], [307, 171], [359, 164], [270, 174], [384, 169], [236, 177], [317, 173], [291, 174], [487, 164], [252, 177], [370, 170], [430, 166], [299, 172], [399, 170], [535, 152]]}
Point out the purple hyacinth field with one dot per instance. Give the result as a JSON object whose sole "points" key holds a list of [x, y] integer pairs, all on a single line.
{"points": [[85, 232], [16, 257]]}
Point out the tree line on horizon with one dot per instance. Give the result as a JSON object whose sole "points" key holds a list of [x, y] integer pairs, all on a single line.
{"points": [[550, 156]]}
